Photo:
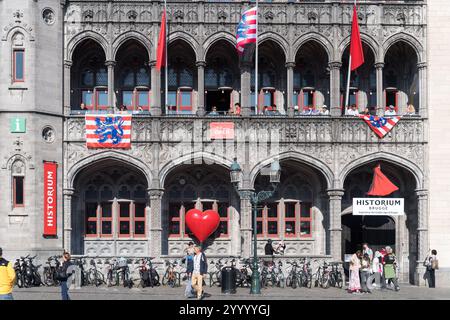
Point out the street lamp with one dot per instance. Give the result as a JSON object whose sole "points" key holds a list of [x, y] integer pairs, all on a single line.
{"points": [[255, 199]]}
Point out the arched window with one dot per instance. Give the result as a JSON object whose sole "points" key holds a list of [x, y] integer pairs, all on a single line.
{"points": [[18, 63], [18, 183]]}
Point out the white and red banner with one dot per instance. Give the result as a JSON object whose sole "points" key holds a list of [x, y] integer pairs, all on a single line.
{"points": [[108, 131], [221, 130], [50, 201], [247, 29], [380, 125]]}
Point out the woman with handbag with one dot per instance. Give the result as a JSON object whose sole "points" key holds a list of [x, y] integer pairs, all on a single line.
{"points": [[389, 268], [432, 264], [62, 276]]}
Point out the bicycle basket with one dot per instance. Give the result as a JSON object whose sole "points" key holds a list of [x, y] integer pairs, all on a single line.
{"points": [[122, 263]]}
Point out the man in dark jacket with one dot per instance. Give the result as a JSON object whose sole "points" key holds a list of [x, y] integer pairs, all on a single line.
{"points": [[200, 269]]}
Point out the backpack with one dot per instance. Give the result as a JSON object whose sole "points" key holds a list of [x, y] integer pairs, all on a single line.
{"points": [[435, 264]]}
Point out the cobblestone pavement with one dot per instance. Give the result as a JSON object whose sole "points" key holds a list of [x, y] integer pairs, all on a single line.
{"points": [[164, 293]]}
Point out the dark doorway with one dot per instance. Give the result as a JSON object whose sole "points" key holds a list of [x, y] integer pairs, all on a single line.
{"points": [[377, 231], [219, 98]]}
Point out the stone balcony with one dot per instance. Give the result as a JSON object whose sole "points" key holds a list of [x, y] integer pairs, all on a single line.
{"points": [[281, 129]]}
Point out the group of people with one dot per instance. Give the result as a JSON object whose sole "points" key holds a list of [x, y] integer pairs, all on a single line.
{"points": [[8, 277], [389, 112], [270, 250], [312, 111], [382, 264], [196, 269]]}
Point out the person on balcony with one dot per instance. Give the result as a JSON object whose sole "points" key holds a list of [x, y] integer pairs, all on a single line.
{"points": [[123, 108], [324, 111], [410, 110], [237, 109], [353, 110], [366, 112], [308, 111], [296, 110], [214, 111], [390, 112], [275, 111]]}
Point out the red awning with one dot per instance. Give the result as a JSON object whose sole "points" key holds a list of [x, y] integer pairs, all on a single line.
{"points": [[381, 185]]}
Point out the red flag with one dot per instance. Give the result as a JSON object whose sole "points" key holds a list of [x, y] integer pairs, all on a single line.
{"points": [[161, 51], [356, 50], [381, 185]]}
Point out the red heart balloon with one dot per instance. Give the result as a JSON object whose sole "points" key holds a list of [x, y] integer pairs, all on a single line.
{"points": [[202, 224]]}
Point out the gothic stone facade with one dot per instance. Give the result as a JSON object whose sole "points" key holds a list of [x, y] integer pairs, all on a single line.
{"points": [[132, 202]]}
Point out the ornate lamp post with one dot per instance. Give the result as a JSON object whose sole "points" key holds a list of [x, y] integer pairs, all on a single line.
{"points": [[255, 199]]}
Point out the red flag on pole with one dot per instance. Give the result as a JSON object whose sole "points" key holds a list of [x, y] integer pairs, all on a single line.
{"points": [[356, 50], [381, 185], [161, 51]]}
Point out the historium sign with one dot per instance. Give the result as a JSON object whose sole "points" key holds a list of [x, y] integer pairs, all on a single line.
{"points": [[378, 206]]}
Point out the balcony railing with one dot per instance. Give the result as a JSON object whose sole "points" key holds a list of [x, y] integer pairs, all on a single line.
{"points": [[282, 129]]}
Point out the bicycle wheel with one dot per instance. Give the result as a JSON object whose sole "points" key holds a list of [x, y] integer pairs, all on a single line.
{"points": [[281, 281], [37, 279], [339, 280], [325, 281], [294, 282], [288, 280], [19, 280]]}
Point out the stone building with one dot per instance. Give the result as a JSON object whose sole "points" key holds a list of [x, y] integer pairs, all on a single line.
{"points": [[60, 54]]}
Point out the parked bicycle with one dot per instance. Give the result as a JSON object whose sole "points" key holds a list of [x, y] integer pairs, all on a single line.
{"points": [[20, 274], [215, 277], [336, 276], [171, 276], [32, 278], [148, 275], [50, 271], [293, 278], [94, 276]]}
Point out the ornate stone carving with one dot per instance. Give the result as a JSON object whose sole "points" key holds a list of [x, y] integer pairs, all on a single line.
{"points": [[18, 15], [132, 15]]}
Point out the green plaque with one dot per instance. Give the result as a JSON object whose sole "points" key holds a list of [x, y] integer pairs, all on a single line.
{"points": [[18, 125]]}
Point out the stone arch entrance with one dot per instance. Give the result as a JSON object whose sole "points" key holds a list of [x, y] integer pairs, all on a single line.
{"points": [[109, 209], [399, 232], [203, 187]]}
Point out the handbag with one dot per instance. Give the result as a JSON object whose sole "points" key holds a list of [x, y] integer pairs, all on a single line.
{"points": [[435, 264]]}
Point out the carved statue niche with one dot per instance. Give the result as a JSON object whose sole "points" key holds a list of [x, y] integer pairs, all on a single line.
{"points": [[18, 40]]}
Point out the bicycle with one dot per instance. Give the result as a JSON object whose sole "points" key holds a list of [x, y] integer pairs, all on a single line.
{"points": [[243, 278], [19, 269], [171, 277], [94, 275], [336, 277], [305, 274], [50, 271], [148, 275], [215, 277], [31, 274], [293, 279]]}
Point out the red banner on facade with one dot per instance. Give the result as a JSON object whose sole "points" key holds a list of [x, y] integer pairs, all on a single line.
{"points": [[221, 130], [50, 211]]}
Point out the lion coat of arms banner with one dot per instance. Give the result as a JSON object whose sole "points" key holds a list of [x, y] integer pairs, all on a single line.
{"points": [[108, 131]]}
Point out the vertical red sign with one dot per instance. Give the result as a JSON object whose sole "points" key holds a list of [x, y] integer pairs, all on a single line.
{"points": [[50, 212]]}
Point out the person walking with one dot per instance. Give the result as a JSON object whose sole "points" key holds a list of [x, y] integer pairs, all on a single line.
{"points": [[63, 276], [354, 284], [389, 270], [189, 259], [7, 278], [365, 273], [432, 264], [200, 269]]}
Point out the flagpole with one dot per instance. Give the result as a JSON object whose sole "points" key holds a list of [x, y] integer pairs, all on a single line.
{"points": [[256, 62], [166, 83]]}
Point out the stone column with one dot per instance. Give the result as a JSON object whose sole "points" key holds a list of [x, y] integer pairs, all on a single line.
{"points": [[155, 99], [67, 86], [155, 234], [335, 88], [423, 107], [290, 88], [67, 214], [334, 212], [379, 73], [111, 94], [201, 87], [422, 234], [246, 226], [245, 88]]}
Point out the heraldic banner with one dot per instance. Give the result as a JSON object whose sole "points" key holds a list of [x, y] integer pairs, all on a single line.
{"points": [[380, 125], [108, 131]]}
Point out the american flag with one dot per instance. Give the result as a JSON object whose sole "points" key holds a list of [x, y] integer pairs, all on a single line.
{"points": [[108, 131], [246, 31], [380, 125]]}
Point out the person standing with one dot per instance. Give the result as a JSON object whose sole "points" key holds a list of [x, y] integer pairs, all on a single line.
{"points": [[7, 278], [190, 252], [377, 268], [390, 263], [63, 276], [365, 273], [367, 250], [200, 269], [237, 109], [354, 284], [432, 264]]}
